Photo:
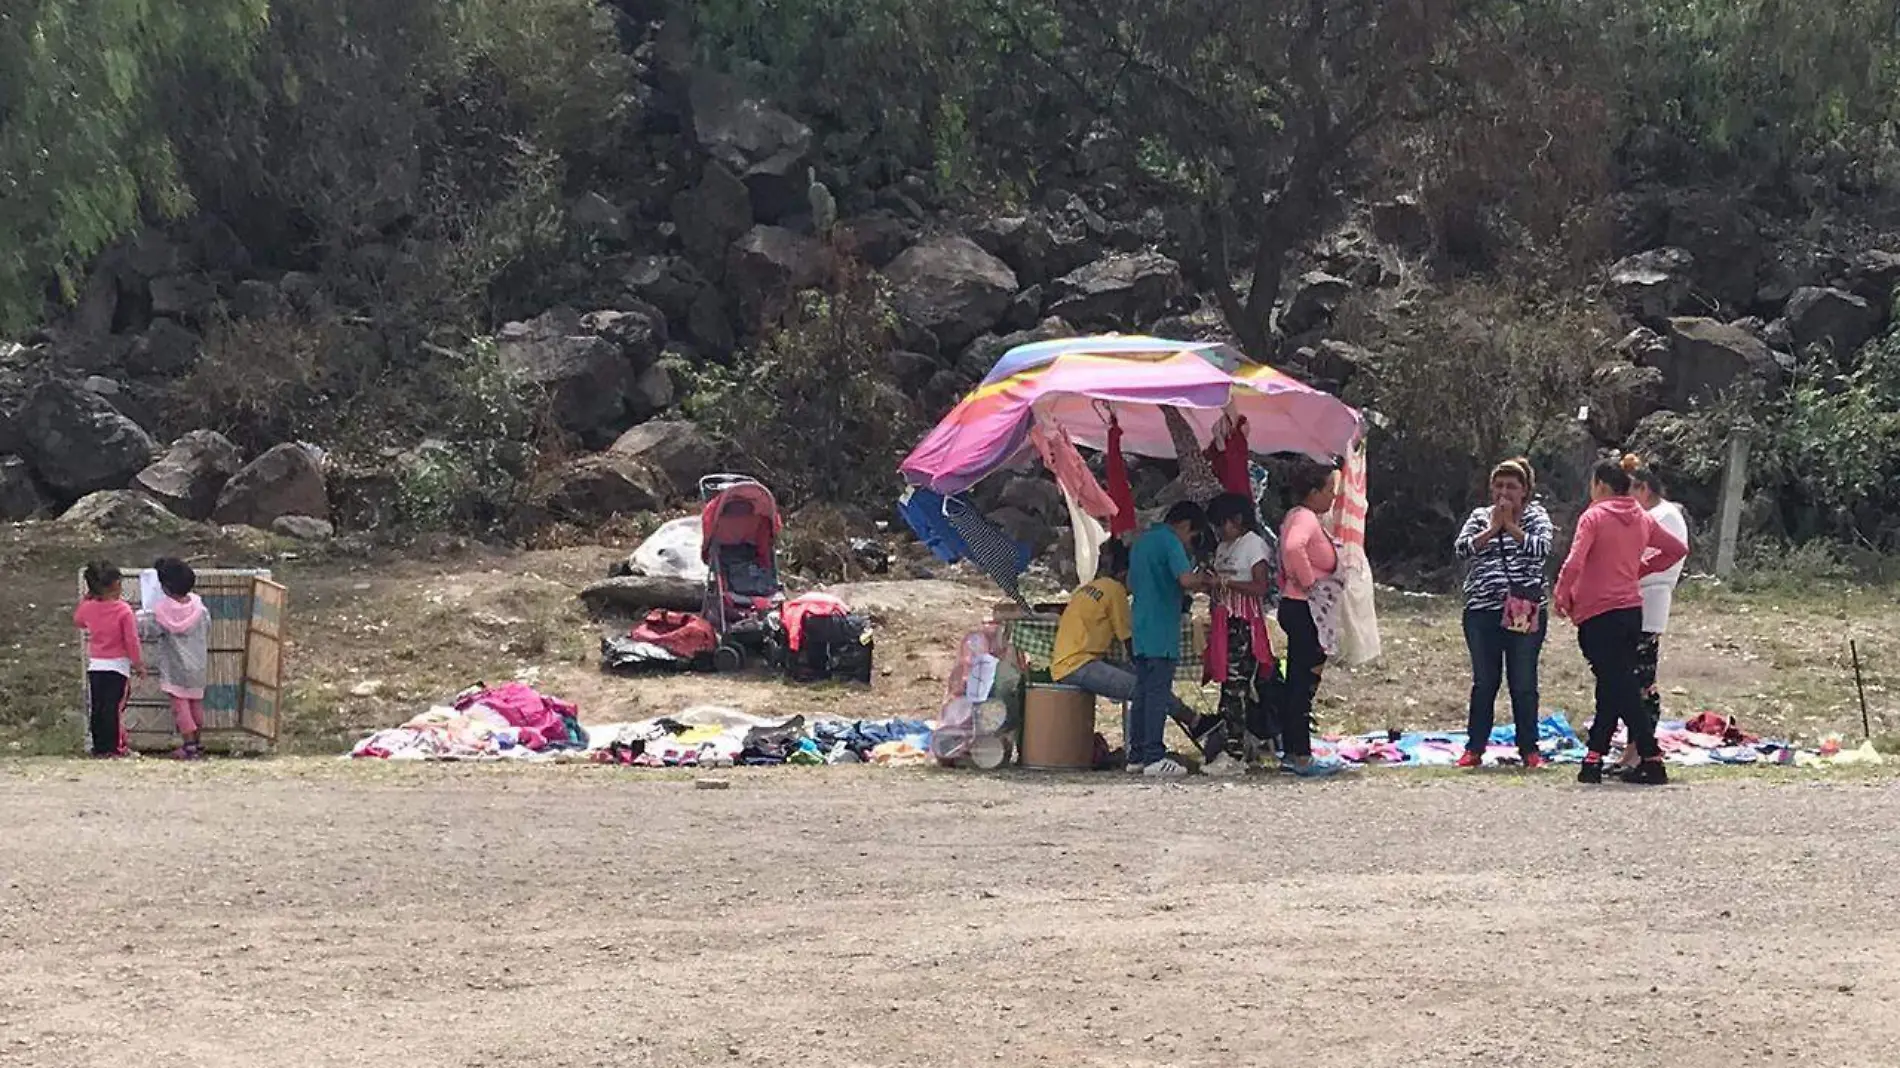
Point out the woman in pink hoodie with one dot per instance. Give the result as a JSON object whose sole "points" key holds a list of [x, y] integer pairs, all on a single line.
{"points": [[1598, 590]]}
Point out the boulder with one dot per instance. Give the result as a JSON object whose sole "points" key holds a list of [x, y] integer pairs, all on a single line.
{"points": [[1834, 319], [98, 306], [873, 240], [711, 216], [1873, 275], [1037, 533], [1315, 299], [1652, 286], [1644, 347], [150, 254], [596, 216], [20, 496], [1332, 364], [1403, 222], [1622, 395], [640, 334], [189, 477], [669, 283], [1707, 358], [709, 325], [1037, 497], [976, 361], [165, 350], [79, 443], [766, 268], [286, 480], [1025, 309], [1023, 242], [952, 289], [214, 246], [585, 376], [121, 512], [600, 487], [1726, 243], [303, 528], [766, 148], [677, 449], [654, 391], [255, 299], [1118, 292], [187, 296]]}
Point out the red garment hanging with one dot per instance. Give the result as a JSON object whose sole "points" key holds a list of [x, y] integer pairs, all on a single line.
{"points": [[1119, 491], [1229, 457]]}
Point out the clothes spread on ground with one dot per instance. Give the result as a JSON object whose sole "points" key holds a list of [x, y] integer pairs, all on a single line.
{"points": [[1070, 470], [1120, 490], [986, 545]]}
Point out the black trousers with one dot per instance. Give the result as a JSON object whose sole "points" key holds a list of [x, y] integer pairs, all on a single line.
{"points": [[1304, 662], [105, 692], [1648, 657], [1610, 643]]}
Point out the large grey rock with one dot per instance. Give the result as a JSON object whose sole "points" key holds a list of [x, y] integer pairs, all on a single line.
{"points": [[1118, 292], [1834, 319], [1024, 242], [1333, 364], [640, 333], [874, 240], [1727, 244], [79, 443], [189, 477], [1873, 276], [121, 512], [635, 595], [1708, 358], [766, 148], [255, 299], [585, 376], [1403, 222], [187, 296], [20, 496], [767, 267], [597, 217], [286, 480], [669, 283], [1621, 396], [303, 528], [711, 216], [165, 350], [1314, 301], [596, 488], [676, 448], [952, 289], [1652, 286]]}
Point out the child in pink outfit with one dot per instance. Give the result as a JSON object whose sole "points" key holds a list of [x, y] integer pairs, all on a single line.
{"points": [[181, 627], [112, 656]]}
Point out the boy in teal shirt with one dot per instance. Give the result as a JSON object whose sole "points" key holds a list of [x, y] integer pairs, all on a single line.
{"points": [[1159, 572]]}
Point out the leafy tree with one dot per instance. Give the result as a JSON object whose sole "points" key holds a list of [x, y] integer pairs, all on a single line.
{"points": [[83, 145]]}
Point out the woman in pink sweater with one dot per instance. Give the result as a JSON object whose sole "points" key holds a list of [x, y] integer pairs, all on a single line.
{"points": [[1599, 591], [1308, 558]]}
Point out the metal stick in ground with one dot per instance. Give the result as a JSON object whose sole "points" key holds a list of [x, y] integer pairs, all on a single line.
{"points": [[1860, 687]]}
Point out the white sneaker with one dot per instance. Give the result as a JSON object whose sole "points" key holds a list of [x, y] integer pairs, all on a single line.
{"points": [[1223, 766], [1166, 768]]}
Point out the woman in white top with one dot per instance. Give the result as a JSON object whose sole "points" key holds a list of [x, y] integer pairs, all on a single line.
{"points": [[1240, 650], [1659, 591]]}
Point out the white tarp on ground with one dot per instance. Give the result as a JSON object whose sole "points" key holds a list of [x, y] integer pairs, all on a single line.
{"points": [[673, 551]]}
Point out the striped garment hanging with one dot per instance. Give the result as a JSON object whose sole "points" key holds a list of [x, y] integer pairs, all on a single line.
{"points": [[987, 546]]}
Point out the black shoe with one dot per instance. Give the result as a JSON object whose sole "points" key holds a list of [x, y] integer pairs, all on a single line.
{"points": [[1591, 773], [1616, 771], [1648, 773]]}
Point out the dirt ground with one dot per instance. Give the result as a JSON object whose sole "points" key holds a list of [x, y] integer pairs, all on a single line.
{"points": [[318, 913]]}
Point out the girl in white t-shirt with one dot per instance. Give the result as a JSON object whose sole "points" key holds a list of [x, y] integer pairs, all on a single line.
{"points": [[1659, 593], [1239, 647]]}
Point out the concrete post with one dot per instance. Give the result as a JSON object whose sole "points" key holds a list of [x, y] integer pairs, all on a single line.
{"points": [[1729, 511]]}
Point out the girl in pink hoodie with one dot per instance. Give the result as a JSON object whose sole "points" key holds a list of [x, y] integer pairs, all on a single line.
{"points": [[181, 628], [1599, 591]]}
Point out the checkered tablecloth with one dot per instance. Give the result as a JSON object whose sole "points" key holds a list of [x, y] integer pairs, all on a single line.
{"points": [[1035, 638]]}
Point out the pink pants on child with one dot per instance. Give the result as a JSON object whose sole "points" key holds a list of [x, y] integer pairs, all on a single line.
{"points": [[188, 713]]}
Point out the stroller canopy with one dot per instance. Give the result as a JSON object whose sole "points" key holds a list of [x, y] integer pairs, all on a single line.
{"points": [[741, 514]]}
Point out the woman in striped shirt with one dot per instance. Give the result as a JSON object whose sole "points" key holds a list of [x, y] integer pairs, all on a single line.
{"points": [[1507, 543]]}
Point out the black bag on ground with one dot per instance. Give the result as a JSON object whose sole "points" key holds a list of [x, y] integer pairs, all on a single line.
{"points": [[833, 647]]}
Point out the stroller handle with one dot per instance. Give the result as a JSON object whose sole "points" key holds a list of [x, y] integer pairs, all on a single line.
{"points": [[711, 486]]}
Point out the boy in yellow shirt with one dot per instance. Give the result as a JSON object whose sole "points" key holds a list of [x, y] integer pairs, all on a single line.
{"points": [[1097, 624]]}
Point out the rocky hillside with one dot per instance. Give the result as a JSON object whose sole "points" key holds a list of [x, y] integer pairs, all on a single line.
{"points": [[732, 273]]}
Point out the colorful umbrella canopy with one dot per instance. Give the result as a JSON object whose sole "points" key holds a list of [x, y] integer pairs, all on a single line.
{"points": [[1077, 382]]}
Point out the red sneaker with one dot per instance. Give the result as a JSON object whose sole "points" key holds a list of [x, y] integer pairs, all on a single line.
{"points": [[1469, 759], [1533, 761]]}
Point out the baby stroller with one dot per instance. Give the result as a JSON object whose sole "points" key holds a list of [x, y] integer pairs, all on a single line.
{"points": [[739, 526]]}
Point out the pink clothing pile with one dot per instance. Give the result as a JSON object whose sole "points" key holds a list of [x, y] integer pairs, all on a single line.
{"points": [[536, 716]]}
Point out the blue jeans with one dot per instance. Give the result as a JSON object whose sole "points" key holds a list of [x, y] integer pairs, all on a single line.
{"points": [[1495, 654], [1148, 716], [1117, 683]]}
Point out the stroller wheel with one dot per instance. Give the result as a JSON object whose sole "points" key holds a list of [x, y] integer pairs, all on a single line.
{"points": [[728, 658]]}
